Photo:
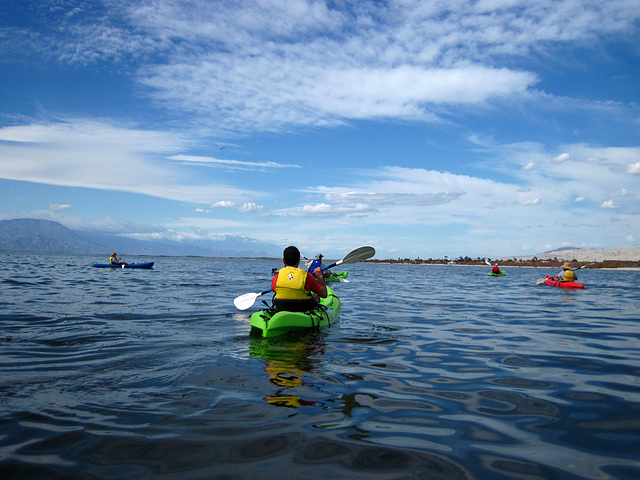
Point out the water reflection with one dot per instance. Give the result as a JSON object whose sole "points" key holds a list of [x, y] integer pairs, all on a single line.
{"points": [[286, 362]]}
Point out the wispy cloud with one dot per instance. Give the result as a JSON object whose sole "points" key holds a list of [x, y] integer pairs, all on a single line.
{"points": [[99, 155], [326, 210], [229, 164], [271, 65]]}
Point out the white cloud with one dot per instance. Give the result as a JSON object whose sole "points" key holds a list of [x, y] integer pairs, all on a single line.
{"points": [[250, 208], [223, 204], [59, 208], [634, 168], [609, 204], [562, 157]]}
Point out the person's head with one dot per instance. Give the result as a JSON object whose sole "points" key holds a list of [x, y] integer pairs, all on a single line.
{"points": [[291, 256], [566, 266], [113, 254]]}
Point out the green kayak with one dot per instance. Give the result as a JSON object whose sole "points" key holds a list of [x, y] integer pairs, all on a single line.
{"points": [[271, 323], [501, 274], [336, 277]]}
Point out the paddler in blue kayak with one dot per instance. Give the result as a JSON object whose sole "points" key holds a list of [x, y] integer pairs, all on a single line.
{"points": [[567, 274], [296, 289], [114, 260]]}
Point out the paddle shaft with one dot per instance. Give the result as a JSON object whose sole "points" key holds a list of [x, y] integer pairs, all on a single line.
{"points": [[580, 268]]}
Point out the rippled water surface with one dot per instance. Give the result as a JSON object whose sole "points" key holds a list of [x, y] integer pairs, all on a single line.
{"points": [[434, 372]]}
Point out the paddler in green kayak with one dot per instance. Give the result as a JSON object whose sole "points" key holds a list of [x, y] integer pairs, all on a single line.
{"points": [[295, 288]]}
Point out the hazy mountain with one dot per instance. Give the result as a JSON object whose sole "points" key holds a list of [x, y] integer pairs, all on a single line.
{"points": [[588, 254], [44, 236]]}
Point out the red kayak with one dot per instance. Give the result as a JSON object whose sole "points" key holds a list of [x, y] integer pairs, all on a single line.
{"points": [[552, 282]]}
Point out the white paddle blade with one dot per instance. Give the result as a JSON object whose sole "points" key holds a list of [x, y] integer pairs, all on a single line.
{"points": [[245, 301], [487, 262], [541, 281]]}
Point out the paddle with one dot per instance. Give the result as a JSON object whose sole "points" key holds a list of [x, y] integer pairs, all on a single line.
{"points": [[540, 281], [248, 299], [356, 255]]}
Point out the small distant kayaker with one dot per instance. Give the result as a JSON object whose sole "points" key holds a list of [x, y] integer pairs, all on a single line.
{"points": [[567, 274], [114, 260], [296, 289], [495, 269]]}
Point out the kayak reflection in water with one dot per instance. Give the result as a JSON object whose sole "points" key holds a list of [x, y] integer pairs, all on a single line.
{"points": [[286, 364], [114, 260], [285, 376]]}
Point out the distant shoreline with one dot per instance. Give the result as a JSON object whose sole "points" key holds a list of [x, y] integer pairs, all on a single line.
{"points": [[575, 266]]}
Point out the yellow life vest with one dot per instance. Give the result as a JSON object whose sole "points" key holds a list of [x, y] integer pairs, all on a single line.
{"points": [[290, 284], [113, 260], [568, 276]]}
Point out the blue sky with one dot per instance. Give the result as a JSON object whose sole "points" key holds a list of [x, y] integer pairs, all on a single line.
{"points": [[424, 128]]}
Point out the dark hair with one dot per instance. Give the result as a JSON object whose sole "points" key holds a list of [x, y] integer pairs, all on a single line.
{"points": [[291, 256]]}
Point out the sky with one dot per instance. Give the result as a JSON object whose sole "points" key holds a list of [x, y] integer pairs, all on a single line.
{"points": [[426, 129]]}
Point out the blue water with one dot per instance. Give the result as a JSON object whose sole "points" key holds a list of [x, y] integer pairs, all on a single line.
{"points": [[433, 372]]}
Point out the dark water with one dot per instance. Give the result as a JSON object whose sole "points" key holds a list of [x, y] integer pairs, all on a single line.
{"points": [[431, 373]]}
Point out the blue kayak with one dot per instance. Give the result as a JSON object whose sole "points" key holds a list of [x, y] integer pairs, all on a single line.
{"points": [[128, 265]]}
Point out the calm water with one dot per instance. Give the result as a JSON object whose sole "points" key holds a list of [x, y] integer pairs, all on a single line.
{"points": [[432, 372]]}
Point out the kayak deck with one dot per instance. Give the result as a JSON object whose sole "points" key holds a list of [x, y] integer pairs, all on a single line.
{"points": [[271, 323], [552, 282], [501, 274], [128, 265]]}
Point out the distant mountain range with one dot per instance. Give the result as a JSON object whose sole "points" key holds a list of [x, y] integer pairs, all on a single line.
{"points": [[44, 236], [568, 254]]}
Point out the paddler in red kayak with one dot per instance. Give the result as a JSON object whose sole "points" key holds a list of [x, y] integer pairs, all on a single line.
{"points": [[295, 287], [567, 274]]}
